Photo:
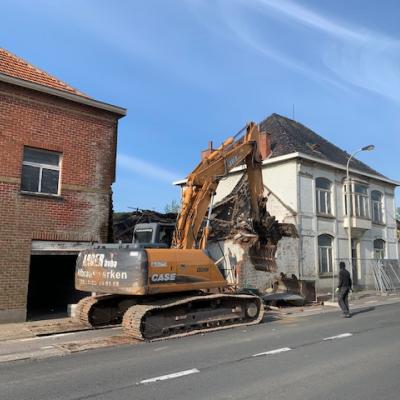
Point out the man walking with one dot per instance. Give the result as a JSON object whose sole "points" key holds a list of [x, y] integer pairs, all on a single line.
{"points": [[344, 287]]}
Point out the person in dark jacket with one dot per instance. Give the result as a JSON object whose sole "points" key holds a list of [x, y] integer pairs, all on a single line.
{"points": [[344, 287]]}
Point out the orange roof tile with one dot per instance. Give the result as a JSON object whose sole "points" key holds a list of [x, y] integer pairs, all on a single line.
{"points": [[16, 67]]}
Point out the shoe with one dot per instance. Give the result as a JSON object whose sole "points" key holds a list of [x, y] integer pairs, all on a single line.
{"points": [[347, 315]]}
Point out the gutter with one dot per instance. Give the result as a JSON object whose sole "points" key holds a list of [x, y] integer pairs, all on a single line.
{"points": [[63, 94], [332, 164]]}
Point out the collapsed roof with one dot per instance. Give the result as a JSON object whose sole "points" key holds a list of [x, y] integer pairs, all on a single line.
{"points": [[124, 223]]}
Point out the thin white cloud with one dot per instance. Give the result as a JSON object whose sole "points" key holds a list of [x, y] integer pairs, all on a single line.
{"points": [[311, 18], [146, 169], [345, 54]]}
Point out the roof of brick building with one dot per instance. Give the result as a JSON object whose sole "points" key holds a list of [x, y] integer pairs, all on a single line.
{"points": [[16, 67], [289, 136]]}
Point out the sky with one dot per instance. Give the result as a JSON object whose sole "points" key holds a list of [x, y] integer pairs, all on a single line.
{"points": [[190, 71]]}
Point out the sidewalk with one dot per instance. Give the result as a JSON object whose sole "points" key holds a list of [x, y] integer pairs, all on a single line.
{"points": [[25, 330], [357, 300]]}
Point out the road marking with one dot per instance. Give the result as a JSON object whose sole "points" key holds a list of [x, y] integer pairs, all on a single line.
{"points": [[58, 335], [161, 348], [276, 351], [170, 376], [47, 347], [28, 339], [342, 335]]}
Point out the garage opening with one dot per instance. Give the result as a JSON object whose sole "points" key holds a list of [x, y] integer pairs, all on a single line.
{"points": [[51, 286]]}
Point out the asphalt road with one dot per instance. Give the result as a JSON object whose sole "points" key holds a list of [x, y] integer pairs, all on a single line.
{"points": [[318, 357]]}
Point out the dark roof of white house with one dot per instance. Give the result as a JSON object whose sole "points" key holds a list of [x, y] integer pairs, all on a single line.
{"points": [[289, 136]]}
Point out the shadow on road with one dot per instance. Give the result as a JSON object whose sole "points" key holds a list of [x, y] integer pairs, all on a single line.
{"points": [[362, 310]]}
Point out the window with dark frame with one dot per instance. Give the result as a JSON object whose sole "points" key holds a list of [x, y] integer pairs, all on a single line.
{"points": [[40, 171]]}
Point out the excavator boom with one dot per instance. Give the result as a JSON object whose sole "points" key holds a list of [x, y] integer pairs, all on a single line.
{"points": [[203, 181]]}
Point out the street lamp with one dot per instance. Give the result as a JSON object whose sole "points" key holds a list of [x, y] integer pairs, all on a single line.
{"points": [[370, 147]]}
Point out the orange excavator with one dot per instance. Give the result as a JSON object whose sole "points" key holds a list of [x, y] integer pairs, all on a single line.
{"points": [[158, 291]]}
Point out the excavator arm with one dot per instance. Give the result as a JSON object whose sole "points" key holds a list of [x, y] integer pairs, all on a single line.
{"points": [[203, 181]]}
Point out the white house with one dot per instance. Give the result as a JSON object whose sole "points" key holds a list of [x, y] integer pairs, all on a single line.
{"points": [[305, 181]]}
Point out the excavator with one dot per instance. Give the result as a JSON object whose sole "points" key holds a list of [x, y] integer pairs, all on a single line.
{"points": [[157, 291]]}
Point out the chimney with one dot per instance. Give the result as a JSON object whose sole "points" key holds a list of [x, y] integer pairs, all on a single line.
{"points": [[206, 153], [265, 145]]}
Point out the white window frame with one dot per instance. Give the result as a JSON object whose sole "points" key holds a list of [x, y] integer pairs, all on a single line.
{"points": [[328, 251], [377, 216], [326, 195], [379, 253], [41, 167], [358, 201]]}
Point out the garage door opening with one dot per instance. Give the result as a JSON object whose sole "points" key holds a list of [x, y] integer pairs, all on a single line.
{"points": [[51, 286]]}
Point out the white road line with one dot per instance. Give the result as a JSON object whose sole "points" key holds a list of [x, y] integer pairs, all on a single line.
{"points": [[276, 351], [58, 335], [161, 348], [28, 339], [170, 376], [342, 335], [47, 347]]}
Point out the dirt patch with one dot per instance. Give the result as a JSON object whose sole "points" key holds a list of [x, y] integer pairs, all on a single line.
{"points": [[91, 344]]}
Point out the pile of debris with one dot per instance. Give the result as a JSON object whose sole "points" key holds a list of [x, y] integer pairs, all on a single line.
{"points": [[124, 223], [289, 290], [232, 219]]}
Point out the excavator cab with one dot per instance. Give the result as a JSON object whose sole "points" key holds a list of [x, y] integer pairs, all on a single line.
{"points": [[153, 233]]}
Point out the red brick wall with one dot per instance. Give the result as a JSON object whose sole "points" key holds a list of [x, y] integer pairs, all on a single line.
{"points": [[86, 137]]}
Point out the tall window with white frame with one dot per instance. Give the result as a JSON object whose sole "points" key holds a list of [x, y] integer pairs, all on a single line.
{"points": [[325, 254], [379, 249], [40, 171], [323, 193], [377, 206], [359, 202]]}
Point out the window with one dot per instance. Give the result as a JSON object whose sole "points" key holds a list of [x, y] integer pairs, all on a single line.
{"points": [[379, 249], [325, 253], [323, 192], [358, 200], [361, 200], [377, 206], [40, 171]]}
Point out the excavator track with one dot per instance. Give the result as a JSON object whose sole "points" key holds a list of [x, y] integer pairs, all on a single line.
{"points": [[99, 310], [191, 315]]}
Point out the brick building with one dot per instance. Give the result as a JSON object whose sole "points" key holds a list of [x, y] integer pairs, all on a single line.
{"points": [[57, 165]]}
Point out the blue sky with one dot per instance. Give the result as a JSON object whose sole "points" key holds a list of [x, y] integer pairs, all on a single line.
{"points": [[190, 71]]}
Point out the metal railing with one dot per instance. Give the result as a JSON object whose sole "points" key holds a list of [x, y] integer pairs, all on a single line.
{"points": [[381, 275], [387, 276]]}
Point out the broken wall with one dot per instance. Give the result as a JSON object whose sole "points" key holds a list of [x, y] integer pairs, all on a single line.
{"points": [[239, 270]]}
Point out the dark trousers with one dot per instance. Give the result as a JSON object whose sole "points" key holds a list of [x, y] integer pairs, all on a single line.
{"points": [[343, 300]]}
